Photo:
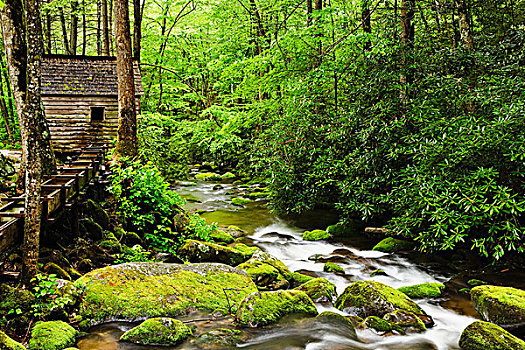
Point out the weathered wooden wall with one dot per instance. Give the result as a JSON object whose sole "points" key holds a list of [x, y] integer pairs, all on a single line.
{"points": [[69, 119]]}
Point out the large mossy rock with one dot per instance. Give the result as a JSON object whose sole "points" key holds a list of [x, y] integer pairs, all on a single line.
{"points": [[97, 213], [158, 331], [504, 306], [424, 290], [488, 336], [196, 251], [316, 235], [7, 343], [337, 323], [370, 298], [19, 300], [141, 290], [320, 290], [342, 230], [267, 271], [393, 245], [53, 335], [260, 309]]}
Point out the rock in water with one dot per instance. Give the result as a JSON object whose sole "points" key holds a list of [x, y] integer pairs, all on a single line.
{"points": [[267, 271], [393, 245], [424, 290], [53, 335], [158, 331], [260, 309], [196, 251], [504, 306], [320, 290], [140, 290], [316, 235], [369, 298], [488, 336]]}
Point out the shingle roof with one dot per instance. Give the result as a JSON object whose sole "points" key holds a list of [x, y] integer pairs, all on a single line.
{"points": [[83, 75]]}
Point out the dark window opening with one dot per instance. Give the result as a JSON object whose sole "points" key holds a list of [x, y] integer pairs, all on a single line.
{"points": [[97, 114]]}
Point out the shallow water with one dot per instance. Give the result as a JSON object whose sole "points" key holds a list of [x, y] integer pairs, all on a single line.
{"points": [[282, 237]]}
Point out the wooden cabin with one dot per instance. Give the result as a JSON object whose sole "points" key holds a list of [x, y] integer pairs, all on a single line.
{"points": [[80, 99]]}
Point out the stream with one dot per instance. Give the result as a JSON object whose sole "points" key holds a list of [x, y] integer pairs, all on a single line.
{"points": [[282, 237]]}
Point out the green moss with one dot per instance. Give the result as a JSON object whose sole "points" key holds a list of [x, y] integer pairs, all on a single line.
{"points": [[464, 290], [260, 309], [378, 273], [405, 321], [158, 331], [135, 291], [487, 336], [196, 251], [7, 343], [15, 307], [392, 245], [342, 230], [220, 338], [500, 305], [221, 236], [377, 324], [315, 235], [98, 214], [111, 246], [300, 278], [474, 283], [267, 271], [320, 290], [246, 250], [370, 298], [53, 335], [228, 176], [240, 201], [208, 176], [52, 268], [256, 195], [331, 267], [422, 291], [93, 229]]}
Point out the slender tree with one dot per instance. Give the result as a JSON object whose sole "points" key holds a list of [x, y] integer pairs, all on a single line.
{"points": [[74, 27], [105, 28], [127, 128], [138, 10], [367, 25]]}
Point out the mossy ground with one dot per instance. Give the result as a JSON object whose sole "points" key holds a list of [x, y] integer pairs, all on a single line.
{"points": [[424, 290], [259, 309], [7, 343], [52, 335], [488, 336], [135, 291], [158, 331]]}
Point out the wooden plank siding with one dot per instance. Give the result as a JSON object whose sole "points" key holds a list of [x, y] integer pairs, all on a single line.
{"points": [[69, 119]]}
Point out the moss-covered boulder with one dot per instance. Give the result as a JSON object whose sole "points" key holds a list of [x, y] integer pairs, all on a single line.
{"points": [[377, 324], [54, 269], [111, 245], [52, 335], [208, 176], [260, 309], [488, 336], [393, 245], [424, 290], [196, 251], [243, 248], [345, 230], [15, 307], [267, 271], [221, 236], [378, 273], [475, 282], [228, 176], [158, 331], [219, 339], [504, 306], [332, 267], [141, 290], [92, 229], [7, 343], [320, 290], [370, 298], [300, 278], [97, 213], [315, 235], [405, 321], [257, 195], [241, 201]]}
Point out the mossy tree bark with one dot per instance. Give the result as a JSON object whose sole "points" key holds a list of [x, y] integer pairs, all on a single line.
{"points": [[127, 128]]}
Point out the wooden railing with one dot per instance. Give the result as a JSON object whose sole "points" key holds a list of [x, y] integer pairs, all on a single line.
{"points": [[58, 191]]}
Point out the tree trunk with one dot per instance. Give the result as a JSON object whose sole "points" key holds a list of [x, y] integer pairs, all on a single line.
{"points": [[105, 28], [465, 30], [407, 8], [367, 26], [5, 112], [84, 29], [14, 35], [309, 6], [49, 32], [64, 31], [127, 128], [137, 28], [99, 32], [33, 118], [74, 27]]}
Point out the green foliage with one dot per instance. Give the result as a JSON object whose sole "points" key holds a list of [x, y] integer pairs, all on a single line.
{"points": [[136, 253], [47, 296]]}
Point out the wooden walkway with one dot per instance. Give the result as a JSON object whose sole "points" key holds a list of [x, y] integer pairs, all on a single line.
{"points": [[58, 191]]}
